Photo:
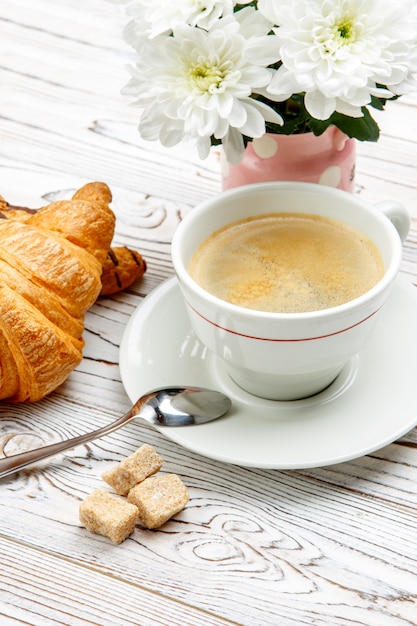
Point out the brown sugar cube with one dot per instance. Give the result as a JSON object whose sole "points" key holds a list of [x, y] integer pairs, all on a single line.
{"points": [[107, 515], [158, 499], [132, 470]]}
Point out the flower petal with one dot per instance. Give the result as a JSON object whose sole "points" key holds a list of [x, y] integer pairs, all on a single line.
{"points": [[318, 105], [234, 147]]}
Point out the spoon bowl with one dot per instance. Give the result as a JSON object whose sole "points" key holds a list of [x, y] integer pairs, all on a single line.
{"points": [[170, 407]]}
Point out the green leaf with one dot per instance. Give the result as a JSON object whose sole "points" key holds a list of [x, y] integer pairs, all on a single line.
{"points": [[377, 103], [362, 128], [238, 6]]}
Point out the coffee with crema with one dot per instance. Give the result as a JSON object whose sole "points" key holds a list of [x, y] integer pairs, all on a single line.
{"points": [[287, 263]]}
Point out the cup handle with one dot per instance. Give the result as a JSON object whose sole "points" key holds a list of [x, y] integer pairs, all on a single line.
{"points": [[398, 215]]}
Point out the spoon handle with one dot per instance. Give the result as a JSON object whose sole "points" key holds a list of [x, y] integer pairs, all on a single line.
{"points": [[12, 464]]}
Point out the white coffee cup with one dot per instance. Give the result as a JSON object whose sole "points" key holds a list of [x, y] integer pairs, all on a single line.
{"points": [[287, 356]]}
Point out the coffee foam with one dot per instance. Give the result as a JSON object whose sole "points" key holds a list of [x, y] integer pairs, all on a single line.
{"points": [[287, 263]]}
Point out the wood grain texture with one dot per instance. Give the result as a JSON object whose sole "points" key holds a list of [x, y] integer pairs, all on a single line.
{"points": [[53, 599], [333, 546]]}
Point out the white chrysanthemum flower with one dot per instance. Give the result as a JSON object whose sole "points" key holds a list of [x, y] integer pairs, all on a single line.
{"points": [[341, 52], [151, 18], [198, 83]]}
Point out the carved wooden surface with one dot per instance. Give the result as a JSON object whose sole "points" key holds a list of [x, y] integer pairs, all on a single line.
{"points": [[333, 546]]}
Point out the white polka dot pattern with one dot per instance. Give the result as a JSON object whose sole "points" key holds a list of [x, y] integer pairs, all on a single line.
{"points": [[328, 159]]}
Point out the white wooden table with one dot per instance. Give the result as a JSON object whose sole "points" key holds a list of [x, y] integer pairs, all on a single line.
{"points": [[332, 546]]}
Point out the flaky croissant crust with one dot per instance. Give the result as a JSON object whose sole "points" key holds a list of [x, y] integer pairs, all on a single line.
{"points": [[50, 268]]}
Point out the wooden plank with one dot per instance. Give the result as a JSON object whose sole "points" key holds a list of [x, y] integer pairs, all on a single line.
{"points": [[96, 599], [297, 537]]}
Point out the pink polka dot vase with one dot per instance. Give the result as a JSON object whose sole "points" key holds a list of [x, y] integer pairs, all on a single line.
{"points": [[327, 159]]}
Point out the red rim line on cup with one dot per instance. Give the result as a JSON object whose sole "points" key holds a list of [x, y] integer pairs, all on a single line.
{"points": [[234, 332]]}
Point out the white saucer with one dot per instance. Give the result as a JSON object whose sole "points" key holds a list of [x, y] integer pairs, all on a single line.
{"points": [[372, 403]]}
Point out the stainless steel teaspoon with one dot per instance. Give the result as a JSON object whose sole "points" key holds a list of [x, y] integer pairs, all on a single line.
{"points": [[171, 407]]}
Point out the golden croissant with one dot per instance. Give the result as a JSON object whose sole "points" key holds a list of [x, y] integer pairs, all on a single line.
{"points": [[50, 266]]}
